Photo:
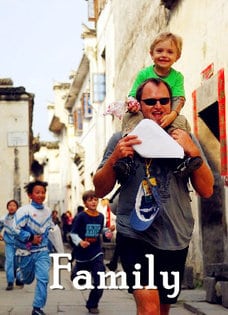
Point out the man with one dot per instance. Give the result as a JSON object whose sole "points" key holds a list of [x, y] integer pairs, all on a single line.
{"points": [[167, 233]]}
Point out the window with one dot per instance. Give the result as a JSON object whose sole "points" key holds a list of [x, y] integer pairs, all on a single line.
{"points": [[99, 89], [78, 121], [94, 9], [70, 119], [86, 105]]}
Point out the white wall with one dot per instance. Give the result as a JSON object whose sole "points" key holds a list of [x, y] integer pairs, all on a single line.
{"points": [[13, 118], [126, 29]]}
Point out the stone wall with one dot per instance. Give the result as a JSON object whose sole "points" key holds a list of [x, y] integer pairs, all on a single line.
{"points": [[124, 32]]}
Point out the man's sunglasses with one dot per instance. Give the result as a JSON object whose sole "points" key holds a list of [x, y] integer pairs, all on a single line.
{"points": [[153, 101]]}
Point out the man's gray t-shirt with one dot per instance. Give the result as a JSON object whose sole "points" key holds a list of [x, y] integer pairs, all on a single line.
{"points": [[172, 228]]}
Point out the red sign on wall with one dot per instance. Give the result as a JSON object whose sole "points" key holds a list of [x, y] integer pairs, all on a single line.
{"points": [[206, 74], [222, 122]]}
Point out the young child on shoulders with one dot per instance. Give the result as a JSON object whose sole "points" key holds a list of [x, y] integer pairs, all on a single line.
{"points": [[32, 225], [87, 228], [165, 50], [6, 224]]}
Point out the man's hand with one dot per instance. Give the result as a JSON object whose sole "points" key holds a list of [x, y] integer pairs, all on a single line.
{"points": [[184, 139], [124, 147], [202, 178]]}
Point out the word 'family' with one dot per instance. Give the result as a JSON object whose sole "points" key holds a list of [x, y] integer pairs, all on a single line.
{"points": [[117, 280]]}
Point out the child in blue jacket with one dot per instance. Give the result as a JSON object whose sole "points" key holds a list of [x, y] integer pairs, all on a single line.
{"points": [[6, 224], [32, 225]]}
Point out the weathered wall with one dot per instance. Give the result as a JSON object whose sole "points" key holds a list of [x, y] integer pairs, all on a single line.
{"points": [[135, 26], [202, 26], [13, 118]]}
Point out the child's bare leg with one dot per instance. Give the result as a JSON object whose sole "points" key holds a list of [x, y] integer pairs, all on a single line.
{"points": [[130, 121]]}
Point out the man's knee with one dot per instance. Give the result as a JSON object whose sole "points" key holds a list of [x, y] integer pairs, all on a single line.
{"points": [[147, 302]]}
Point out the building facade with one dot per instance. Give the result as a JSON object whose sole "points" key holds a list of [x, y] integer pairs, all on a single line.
{"points": [[115, 50], [16, 144]]}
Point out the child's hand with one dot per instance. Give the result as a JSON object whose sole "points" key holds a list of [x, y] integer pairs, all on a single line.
{"points": [[1, 237], [84, 244], [168, 119], [37, 239], [112, 227], [116, 109], [108, 234], [133, 106]]}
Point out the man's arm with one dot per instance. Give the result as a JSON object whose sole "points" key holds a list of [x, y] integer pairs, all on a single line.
{"points": [[105, 178], [202, 179]]}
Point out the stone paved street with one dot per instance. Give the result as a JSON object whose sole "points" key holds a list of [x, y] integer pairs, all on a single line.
{"points": [[114, 302]]}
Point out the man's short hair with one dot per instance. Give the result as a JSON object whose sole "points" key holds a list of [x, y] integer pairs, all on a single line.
{"points": [[155, 81]]}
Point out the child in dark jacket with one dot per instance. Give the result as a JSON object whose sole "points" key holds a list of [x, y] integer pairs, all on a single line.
{"points": [[87, 228]]}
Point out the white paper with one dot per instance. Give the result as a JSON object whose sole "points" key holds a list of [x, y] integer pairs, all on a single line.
{"points": [[156, 142], [56, 239]]}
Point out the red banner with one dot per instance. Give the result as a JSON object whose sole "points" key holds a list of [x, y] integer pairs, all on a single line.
{"points": [[222, 122], [195, 115]]}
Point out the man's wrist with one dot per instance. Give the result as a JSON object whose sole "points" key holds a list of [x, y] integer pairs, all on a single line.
{"points": [[193, 153], [112, 160]]}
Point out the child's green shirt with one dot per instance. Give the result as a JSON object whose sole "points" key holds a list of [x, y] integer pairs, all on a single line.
{"points": [[175, 79]]}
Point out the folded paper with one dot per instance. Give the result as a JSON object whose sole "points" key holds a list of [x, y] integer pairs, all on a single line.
{"points": [[156, 142]]}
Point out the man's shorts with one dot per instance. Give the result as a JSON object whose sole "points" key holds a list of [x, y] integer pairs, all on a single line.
{"points": [[133, 251]]}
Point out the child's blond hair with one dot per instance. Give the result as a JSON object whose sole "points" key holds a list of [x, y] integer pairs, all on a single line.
{"points": [[177, 40]]}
